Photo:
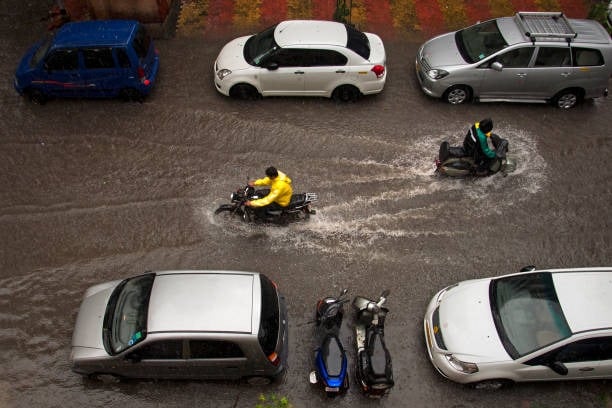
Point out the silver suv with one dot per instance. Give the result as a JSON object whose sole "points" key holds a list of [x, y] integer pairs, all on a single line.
{"points": [[531, 57], [183, 325]]}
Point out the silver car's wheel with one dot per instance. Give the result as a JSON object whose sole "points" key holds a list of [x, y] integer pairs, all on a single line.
{"points": [[457, 95], [491, 384], [567, 99]]}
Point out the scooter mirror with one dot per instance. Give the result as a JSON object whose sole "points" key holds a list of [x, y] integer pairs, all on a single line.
{"points": [[312, 377]]}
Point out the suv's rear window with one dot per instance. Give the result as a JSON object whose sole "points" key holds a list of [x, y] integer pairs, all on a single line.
{"points": [[358, 42], [142, 42], [270, 316]]}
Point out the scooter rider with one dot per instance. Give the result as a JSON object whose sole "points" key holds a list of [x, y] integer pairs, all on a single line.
{"points": [[280, 193], [476, 143]]}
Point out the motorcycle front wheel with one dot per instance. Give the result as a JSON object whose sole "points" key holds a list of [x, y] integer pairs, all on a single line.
{"points": [[227, 212]]}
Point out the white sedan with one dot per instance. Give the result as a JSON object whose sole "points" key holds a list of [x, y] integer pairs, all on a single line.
{"points": [[302, 58], [530, 326]]}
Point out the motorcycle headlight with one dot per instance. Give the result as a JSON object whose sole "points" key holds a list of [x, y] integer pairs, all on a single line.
{"points": [[437, 73], [463, 366], [222, 73]]}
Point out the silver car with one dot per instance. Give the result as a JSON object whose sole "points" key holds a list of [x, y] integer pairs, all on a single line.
{"points": [[183, 325], [531, 57], [537, 325]]}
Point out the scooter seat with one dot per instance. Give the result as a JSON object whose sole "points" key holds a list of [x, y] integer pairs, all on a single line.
{"points": [[378, 360], [332, 353]]}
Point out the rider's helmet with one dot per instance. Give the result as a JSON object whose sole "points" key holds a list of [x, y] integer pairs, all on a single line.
{"points": [[271, 172], [486, 126]]}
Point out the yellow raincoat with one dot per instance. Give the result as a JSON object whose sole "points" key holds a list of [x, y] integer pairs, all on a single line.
{"points": [[280, 190]]}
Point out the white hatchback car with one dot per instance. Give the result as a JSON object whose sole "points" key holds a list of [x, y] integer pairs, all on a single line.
{"points": [[530, 326], [302, 58]]}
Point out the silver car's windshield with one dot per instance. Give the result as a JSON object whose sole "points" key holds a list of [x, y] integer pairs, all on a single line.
{"points": [[259, 46], [479, 41], [125, 321], [527, 313]]}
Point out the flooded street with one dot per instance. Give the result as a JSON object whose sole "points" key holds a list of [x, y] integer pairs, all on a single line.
{"points": [[92, 191]]}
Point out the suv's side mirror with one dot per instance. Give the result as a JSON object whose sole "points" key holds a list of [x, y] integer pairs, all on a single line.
{"points": [[497, 66], [558, 367], [272, 66]]}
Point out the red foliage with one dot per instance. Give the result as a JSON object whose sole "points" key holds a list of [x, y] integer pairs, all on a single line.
{"points": [[524, 5], [323, 9], [272, 11], [574, 8], [430, 17], [220, 16], [477, 10], [379, 18]]}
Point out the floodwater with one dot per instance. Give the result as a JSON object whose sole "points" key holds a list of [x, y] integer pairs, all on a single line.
{"points": [[92, 191]]}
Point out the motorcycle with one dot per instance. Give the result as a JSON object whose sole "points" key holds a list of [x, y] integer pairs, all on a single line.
{"points": [[454, 161], [298, 209], [374, 372], [330, 357]]}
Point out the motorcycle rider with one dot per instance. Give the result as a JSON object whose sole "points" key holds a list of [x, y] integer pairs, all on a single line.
{"points": [[476, 144], [280, 193]]}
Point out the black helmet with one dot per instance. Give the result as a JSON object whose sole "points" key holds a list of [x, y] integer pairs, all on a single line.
{"points": [[486, 125], [271, 172]]}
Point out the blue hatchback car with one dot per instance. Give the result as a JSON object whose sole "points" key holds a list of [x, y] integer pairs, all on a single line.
{"points": [[90, 59]]}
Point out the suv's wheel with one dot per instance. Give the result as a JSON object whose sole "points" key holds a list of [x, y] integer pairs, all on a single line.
{"points": [[346, 93], [244, 92], [458, 94], [494, 384], [567, 98]]}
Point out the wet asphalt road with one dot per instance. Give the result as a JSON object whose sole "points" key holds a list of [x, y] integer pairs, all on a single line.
{"points": [[99, 190]]}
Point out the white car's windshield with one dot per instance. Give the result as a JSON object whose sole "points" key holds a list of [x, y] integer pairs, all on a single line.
{"points": [[527, 313], [125, 321], [479, 41], [259, 46]]}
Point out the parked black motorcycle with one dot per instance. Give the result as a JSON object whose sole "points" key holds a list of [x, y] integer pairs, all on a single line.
{"points": [[374, 369], [298, 209], [454, 161], [331, 365]]}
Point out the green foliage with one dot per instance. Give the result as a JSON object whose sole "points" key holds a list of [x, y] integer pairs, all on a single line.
{"points": [[272, 401], [342, 12], [598, 11]]}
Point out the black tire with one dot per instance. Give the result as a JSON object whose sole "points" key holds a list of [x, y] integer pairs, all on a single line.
{"points": [[567, 98], [491, 385], [458, 94], [131, 94], [346, 93], [244, 92], [105, 378], [37, 96], [226, 211]]}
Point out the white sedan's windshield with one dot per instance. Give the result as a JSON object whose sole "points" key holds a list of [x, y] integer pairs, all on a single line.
{"points": [[527, 313]]}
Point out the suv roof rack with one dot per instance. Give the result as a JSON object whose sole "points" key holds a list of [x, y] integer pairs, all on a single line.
{"points": [[545, 25]]}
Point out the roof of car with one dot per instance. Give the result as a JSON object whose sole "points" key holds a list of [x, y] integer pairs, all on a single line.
{"points": [[95, 32], [308, 32], [585, 296], [204, 301]]}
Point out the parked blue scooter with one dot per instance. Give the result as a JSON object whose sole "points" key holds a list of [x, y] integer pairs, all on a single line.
{"points": [[330, 357]]}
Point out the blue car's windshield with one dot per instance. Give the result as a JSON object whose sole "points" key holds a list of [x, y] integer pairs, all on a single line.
{"points": [[479, 41], [527, 313]]}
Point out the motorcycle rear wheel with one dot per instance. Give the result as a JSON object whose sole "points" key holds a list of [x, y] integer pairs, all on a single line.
{"points": [[227, 212]]}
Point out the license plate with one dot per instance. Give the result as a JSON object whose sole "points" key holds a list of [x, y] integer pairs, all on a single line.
{"points": [[332, 389]]}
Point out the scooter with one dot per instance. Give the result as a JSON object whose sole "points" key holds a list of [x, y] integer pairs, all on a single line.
{"points": [[454, 161], [298, 209], [374, 372], [330, 357]]}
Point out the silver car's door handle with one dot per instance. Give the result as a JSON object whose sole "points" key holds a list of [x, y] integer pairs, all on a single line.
{"points": [[298, 72], [566, 74], [586, 369], [340, 71], [521, 75]]}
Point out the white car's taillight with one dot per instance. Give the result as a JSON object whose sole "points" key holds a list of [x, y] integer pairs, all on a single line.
{"points": [[379, 70]]}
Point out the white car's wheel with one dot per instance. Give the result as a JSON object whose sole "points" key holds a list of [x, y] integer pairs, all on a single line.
{"points": [[494, 384]]}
